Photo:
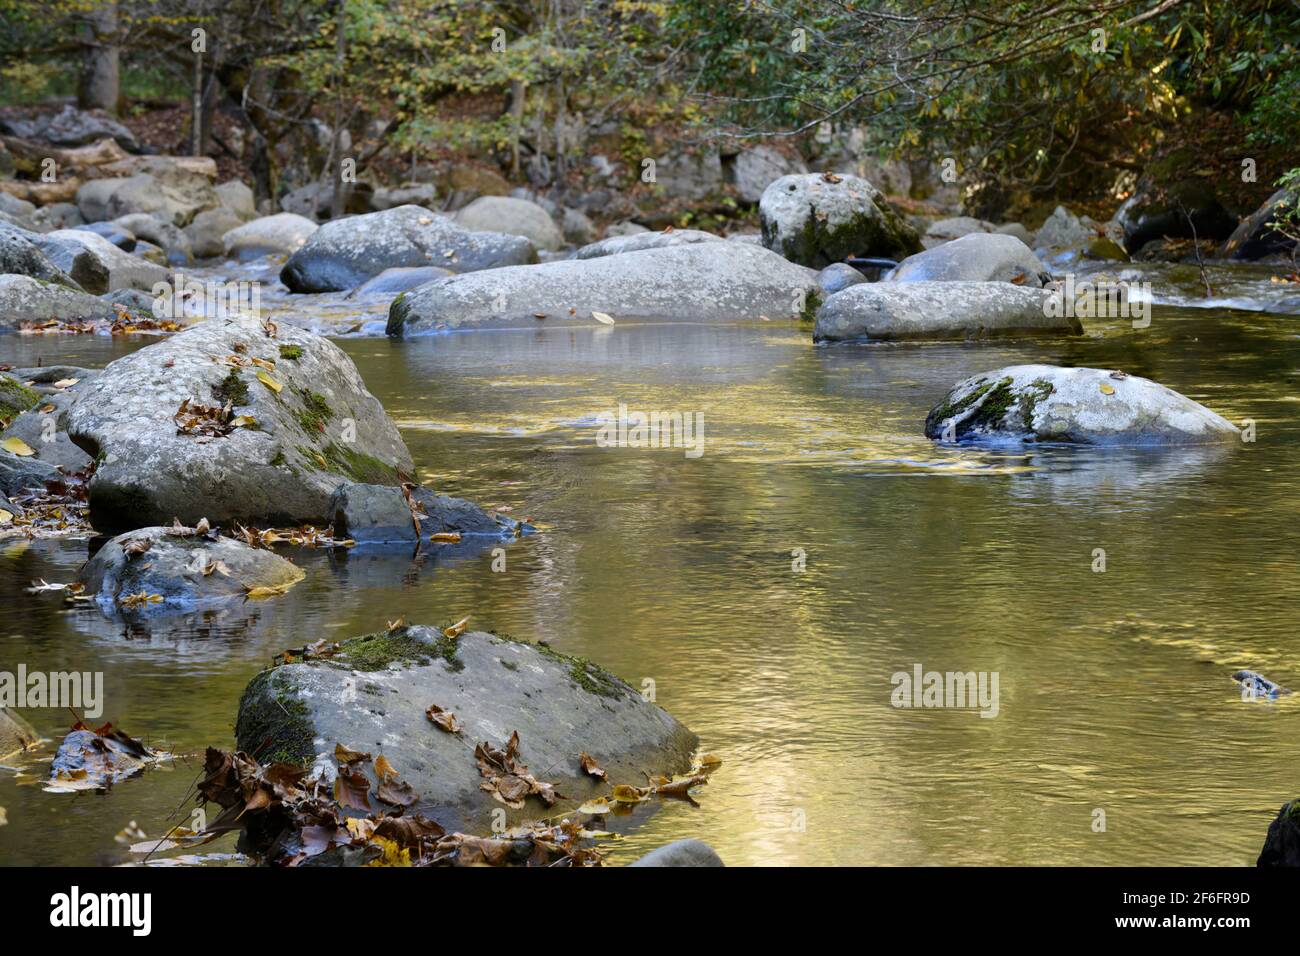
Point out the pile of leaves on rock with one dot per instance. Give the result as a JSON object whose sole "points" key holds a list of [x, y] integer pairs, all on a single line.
{"points": [[59, 510], [293, 816]]}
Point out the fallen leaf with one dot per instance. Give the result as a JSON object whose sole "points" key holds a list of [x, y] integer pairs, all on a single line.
{"points": [[603, 318], [590, 767], [346, 755], [384, 770], [16, 446], [457, 629], [445, 537], [66, 382], [1107, 389], [6, 516], [443, 718], [265, 378]]}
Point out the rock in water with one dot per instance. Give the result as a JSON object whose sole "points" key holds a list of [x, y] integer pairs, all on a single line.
{"points": [[815, 220], [1256, 685], [20, 255], [24, 299], [183, 569], [515, 217], [700, 282], [380, 514], [681, 853], [1085, 405], [373, 696], [1282, 845], [975, 257], [938, 310], [15, 733], [344, 253], [309, 425]]}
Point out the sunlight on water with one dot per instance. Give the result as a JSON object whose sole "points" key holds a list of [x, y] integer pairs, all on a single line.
{"points": [[1115, 687]]}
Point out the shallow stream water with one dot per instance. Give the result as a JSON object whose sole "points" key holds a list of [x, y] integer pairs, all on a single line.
{"points": [[1115, 689]]}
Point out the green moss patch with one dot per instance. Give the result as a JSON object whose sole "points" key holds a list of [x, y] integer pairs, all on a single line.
{"points": [[376, 652], [232, 389], [275, 726], [316, 412], [290, 353], [15, 398], [590, 677]]}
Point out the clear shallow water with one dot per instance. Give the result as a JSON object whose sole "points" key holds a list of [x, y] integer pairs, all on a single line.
{"points": [[1115, 689]]}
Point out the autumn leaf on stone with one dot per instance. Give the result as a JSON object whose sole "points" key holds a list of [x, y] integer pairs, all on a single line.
{"points": [[133, 546], [590, 767], [384, 770], [443, 718], [456, 629], [265, 378], [346, 755], [352, 788]]}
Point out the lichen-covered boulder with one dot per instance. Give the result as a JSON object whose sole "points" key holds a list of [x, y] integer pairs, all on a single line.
{"points": [[1082, 405], [344, 253], [616, 245], [123, 270], [515, 217], [170, 569], [374, 696], [301, 422], [699, 282], [16, 734], [815, 220], [975, 257], [938, 310], [282, 234]]}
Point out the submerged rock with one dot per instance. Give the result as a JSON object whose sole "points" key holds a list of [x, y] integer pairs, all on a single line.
{"points": [[184, 571], [1084, 405], [699, 282], [16, 734], [380, 514], [975, 257], [616, 245], [344, 253], [938, 310], [1282, 845], [373, 695], [310, 425], [1256, 685], [681, 853], [282, 234], [815, 220]]}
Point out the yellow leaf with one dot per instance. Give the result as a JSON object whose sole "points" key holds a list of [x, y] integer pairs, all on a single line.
{"points": [[265, 591], [603, 318], [66, 382], [243, 421], [1107, 389], [456, 629], [5, 516], [16, 446], [269, 382]]}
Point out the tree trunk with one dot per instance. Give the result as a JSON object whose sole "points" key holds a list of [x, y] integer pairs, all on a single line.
{"points": [[196, 108], [518, 94], [340, 197], [99, 84]]}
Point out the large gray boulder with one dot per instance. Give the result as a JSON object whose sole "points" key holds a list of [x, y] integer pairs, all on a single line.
{"points": [[86, 269], [24, 299], [690, 176], [1281, 844], [20, 255], [515, 217], [1064, 230], [57, 215], [174, 241], [837, 277], [815, 220], [1083, 405], [617, 245], [975, 257], [237, 198], [184, 570], [938, 310], [313, 426], [73, 127], [344, 253], [946, 230], [282, 235], [373, 696], [167, 191], [407, 194], [701, 282], [123, 269], [752, 170], [393, 282]]}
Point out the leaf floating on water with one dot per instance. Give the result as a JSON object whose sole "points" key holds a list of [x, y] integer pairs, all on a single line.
{"points": [[265, 378], [590, 767], [443, 718], [457, 629], [130, 834], [140, 599], [1107, 389], [16, 446], [594, 807], [445, 537], [262, 591], [603, 318]]}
